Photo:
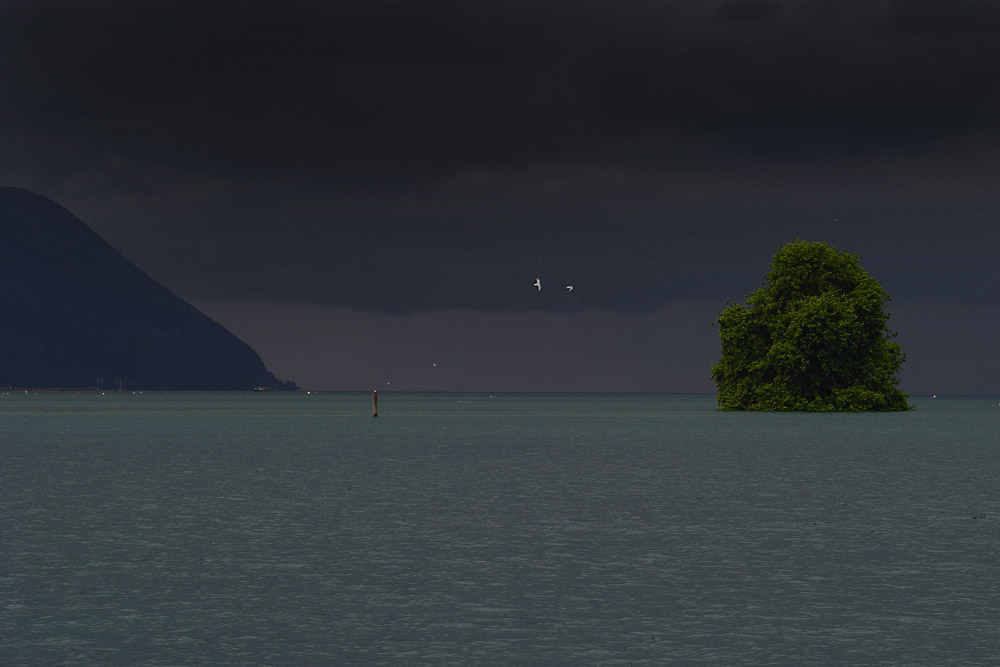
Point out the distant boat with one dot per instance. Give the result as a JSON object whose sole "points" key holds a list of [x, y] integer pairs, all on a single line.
{"points": [[262, 389]]}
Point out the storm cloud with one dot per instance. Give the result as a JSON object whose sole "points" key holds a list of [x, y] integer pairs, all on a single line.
{"points": [[399, 157]]}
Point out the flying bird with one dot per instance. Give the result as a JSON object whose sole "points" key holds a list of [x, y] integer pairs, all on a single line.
{"points": [[538, 284], [569, 288]]}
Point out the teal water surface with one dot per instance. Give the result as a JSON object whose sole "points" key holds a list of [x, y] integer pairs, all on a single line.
{"points": [[507, 529]]}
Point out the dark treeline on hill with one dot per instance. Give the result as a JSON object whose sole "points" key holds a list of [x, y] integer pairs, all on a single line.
{"points": [[77, 314]]}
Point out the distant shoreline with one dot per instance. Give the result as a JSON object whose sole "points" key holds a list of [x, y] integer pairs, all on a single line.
{"points": [[53, 389]]}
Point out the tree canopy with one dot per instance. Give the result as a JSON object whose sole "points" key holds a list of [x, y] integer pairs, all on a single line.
{"points": [[813, 337]]}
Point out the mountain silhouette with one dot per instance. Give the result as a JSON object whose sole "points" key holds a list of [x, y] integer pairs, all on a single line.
{"points": [[77, 314]]}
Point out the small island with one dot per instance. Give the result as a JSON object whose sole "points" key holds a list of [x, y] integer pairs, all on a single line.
{"points": [[813, 337]]}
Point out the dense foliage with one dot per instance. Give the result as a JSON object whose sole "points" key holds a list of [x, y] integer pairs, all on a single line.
{"points": [[813, 337]]}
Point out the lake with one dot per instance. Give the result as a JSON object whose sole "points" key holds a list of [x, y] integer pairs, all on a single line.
{"points": [[507, 529]]}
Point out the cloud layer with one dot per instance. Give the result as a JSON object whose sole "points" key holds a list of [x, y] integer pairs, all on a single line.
{"points": [[399, 157]]}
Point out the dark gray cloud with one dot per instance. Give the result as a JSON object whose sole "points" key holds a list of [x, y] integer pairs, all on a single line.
{"points": [[748, 10], [388, 91], [362, 189], [966, 19], [400, 156]]}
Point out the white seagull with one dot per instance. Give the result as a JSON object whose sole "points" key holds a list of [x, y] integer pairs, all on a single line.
{"points": [[538, 284], [569, 288]]}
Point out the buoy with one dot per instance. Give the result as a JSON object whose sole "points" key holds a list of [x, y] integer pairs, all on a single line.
{"points": [[374, 403]]}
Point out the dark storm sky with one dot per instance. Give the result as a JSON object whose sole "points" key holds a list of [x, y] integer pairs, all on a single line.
{"points": [[366, 190]]}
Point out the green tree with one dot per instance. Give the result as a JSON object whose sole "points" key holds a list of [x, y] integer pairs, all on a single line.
{"points": [[813, 337]]}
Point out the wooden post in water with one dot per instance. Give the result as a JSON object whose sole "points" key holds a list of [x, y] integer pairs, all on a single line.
{"points": [[374, 403]]}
